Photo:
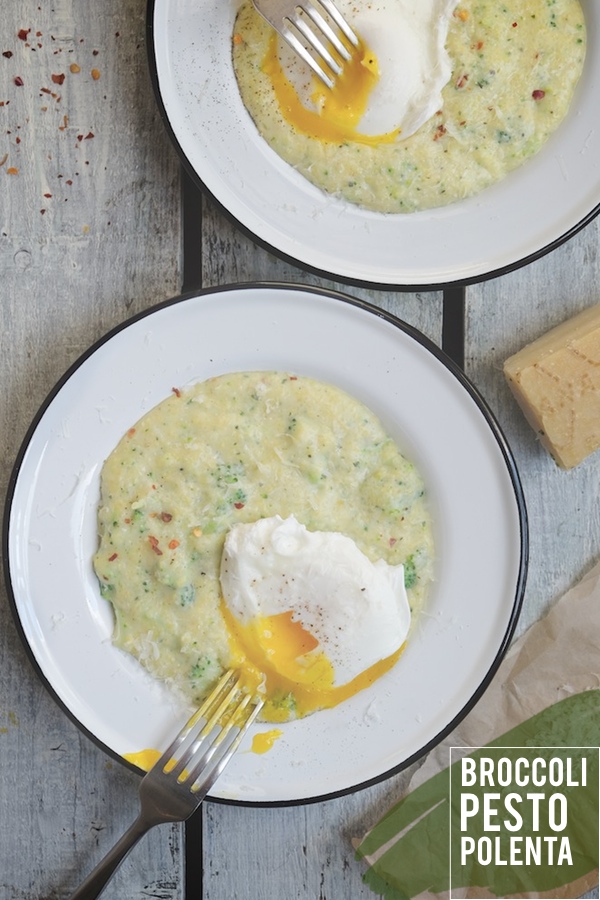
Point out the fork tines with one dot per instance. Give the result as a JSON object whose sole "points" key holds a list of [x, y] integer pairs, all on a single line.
{"points": [[204, 746], [298, 27], [316, 30]]}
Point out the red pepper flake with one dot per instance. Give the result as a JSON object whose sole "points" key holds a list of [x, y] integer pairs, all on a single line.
{"points": [[47, 195], [113, 557], [462, 81], [69, 181], [538, 94], [58, 79], [19, 81], [131, 431], [239, 505], [127, 521], [392, 541], [176, 391], [440, 131], [173, 545], [515, 24], [166, 517], [89, 135], [154, 544], [293, 378], [43, 212], [7, 54], [23, 33]]}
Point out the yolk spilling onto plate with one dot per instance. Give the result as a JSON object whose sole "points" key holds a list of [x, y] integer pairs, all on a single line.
{"points": [[279, 654], [143, 759], [264, 740], [338, 110]]}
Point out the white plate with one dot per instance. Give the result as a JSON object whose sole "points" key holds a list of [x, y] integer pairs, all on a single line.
{"points": [[533, 210], [432, 412]]}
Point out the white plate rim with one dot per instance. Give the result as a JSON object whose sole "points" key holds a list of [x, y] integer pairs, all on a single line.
{"points": [[483, 269], [489, 419]]}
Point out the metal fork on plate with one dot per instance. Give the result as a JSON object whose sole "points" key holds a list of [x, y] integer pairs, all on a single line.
{"points": [[176, 785], [304, 24]]}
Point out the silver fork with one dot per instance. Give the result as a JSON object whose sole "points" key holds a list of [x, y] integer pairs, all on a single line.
{"points": [[178, 782], [291, 20]]}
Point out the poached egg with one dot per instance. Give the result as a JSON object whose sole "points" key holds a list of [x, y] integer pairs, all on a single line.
{"points": [[310, 617], [391, 86]]}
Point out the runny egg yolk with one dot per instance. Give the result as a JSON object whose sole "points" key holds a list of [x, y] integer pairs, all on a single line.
{"points": [[143, 759], [337, 111], [278, 654], [264, 740]]}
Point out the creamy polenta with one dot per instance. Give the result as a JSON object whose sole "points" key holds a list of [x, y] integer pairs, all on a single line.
{"points": [[235, 449], [515, 66]]}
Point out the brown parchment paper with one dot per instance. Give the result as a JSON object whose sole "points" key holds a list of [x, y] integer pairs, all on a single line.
{"points": [[557, 656]]}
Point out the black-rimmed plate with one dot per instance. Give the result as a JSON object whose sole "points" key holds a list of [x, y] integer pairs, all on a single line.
{"points": [[428, 406], [530, 212]]}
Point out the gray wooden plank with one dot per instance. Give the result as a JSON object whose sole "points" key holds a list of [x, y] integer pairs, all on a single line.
{"points": [[89, 190], [297, 852], [503, 315]]}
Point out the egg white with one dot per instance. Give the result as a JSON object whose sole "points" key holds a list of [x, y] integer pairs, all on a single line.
{"points": [[357, 610], [408, 38]]}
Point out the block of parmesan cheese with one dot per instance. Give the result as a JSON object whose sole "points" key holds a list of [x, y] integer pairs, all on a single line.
{"points": [[556, 381]]}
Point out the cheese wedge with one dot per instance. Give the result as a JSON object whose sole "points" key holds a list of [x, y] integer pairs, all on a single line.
{"points": [[556, 381]]}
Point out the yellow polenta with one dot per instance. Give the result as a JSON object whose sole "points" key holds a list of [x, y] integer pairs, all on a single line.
{"points": [[515, 66], [238, 448]]}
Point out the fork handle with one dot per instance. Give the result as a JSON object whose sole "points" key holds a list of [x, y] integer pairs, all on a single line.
{"points": [[99, 877]]}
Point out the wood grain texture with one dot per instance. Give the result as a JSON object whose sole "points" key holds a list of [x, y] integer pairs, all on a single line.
{"points": [[503, 315], [89, 234]]}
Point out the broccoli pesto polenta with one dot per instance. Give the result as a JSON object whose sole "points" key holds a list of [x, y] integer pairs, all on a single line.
{"points": [[515, 66], [235, 449]]}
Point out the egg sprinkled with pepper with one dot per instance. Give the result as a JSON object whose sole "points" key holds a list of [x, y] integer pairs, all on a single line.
{"points": [[311, 618]]}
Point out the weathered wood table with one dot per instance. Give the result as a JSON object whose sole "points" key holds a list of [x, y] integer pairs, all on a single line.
{"points": [[96, 224]]}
